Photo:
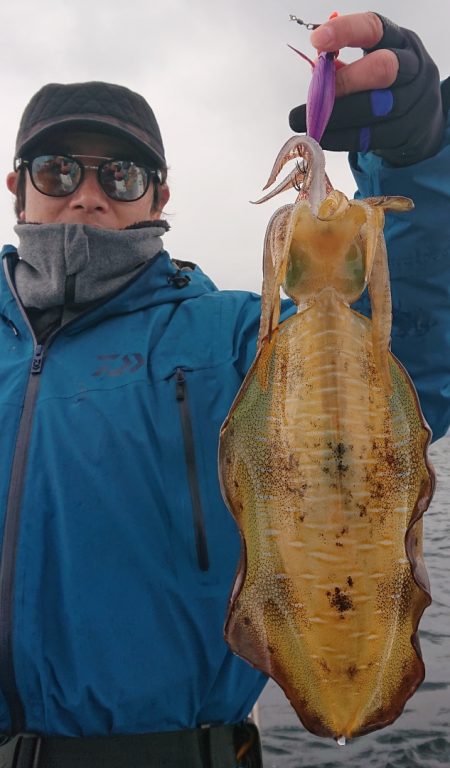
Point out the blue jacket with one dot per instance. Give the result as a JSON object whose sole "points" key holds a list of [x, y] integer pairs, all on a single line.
{"points": [[118, 552]]}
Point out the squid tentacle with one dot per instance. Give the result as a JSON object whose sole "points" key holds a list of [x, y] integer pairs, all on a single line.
{"points": [[315, 184]]}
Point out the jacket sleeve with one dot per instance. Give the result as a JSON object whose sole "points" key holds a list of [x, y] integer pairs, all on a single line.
{"points": [[418, 245], [246, 327]]}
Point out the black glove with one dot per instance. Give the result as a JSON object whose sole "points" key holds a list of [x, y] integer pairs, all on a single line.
{"points": [[404, 123]]}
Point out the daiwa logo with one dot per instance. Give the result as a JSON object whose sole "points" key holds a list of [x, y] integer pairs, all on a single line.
{"points": [[118, 365]]}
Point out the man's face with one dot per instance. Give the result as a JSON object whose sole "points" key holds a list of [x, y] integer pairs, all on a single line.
{"points": [[89, 204]]}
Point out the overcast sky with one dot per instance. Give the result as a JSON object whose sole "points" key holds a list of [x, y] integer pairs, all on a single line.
{"points": [[221, 81]]}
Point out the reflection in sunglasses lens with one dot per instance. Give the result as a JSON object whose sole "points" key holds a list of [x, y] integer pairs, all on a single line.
{"points": [[55, 175], [123, 180], [59, 175]]}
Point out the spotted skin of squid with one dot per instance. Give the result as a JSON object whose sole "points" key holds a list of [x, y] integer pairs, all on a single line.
{"points": [[322, 463]]}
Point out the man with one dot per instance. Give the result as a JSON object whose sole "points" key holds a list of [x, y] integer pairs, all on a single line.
{"points": [[118, 368]]}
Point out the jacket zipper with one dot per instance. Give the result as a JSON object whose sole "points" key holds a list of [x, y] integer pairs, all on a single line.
{"points": [[191, 465], [8, 683], [9, 549]]}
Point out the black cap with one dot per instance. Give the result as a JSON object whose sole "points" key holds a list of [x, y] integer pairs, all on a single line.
{"points": [[110, 108]]}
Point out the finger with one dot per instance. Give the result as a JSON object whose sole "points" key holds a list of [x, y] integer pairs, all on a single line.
{"points": [[362, 139], [356, 30], [377, 137], [392, 132], [376, 70], [393, 35], [363, 108], [358, 110]]}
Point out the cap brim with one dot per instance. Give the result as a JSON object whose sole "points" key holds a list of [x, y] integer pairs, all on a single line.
{"points": [[113, 126]]}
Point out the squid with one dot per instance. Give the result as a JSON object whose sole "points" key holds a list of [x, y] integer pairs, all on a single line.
{"points": [[323, 465]]}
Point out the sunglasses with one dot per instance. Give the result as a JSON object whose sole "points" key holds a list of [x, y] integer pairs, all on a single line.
{"points": [[61, 175]]}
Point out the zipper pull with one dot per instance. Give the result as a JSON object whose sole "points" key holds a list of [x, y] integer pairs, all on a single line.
{"points": [[38, 359], [180, 382], [11, 325]]}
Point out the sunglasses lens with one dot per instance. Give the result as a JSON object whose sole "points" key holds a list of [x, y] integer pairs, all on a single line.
{"points": [[55, 175], [124, 180], [60, 175]]}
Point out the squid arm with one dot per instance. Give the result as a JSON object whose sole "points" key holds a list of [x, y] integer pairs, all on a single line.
{"points": [[377, 276], [275, 257]]}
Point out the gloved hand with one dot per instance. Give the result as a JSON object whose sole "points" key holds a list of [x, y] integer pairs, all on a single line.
{"points": [[403, 122]]}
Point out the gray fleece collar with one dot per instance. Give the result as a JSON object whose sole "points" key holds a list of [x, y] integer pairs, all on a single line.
{"points": [[75, 264]]}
